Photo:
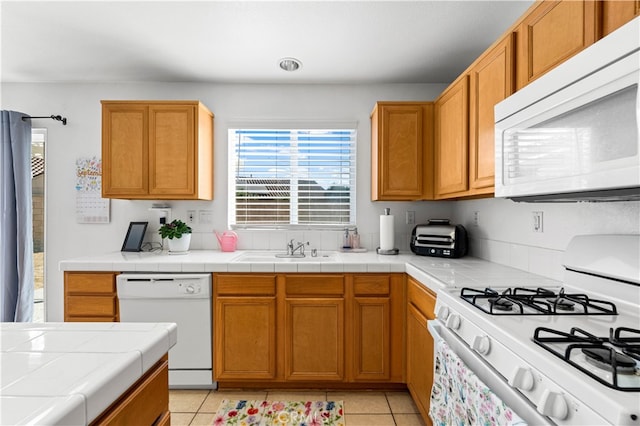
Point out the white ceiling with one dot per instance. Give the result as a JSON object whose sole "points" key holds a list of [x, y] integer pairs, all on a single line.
{"points": [[242, 41]]}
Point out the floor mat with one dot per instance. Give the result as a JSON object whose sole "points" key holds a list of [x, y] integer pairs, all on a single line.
{"points": [[289, 413]]}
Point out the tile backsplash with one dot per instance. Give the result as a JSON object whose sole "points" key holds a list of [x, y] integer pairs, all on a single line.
{"points": [[277, 240]]}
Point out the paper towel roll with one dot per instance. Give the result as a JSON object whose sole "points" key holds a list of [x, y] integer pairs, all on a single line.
{"points": [[386, 232]]}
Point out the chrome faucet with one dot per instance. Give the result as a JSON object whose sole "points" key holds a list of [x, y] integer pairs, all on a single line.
{"points": [[291, 250]]}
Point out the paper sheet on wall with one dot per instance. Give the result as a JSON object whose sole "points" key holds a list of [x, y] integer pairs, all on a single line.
{"points": [[90, 206]]}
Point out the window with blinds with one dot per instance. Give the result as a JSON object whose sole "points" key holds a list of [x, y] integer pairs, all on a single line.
{"points": [[289, 177]]}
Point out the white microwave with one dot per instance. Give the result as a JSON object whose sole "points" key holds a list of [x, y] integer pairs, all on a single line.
{"points": [[572, 135]]}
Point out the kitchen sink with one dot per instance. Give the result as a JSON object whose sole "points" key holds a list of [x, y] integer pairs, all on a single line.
{"points": [[280, 257]]}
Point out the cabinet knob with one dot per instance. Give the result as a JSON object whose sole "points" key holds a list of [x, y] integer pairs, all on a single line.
{"points": [[553, 404], [453, 321], [481, 344], [522, 378]]}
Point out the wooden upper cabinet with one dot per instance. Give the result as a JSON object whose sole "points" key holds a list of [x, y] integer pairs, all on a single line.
{"points": [[551, 33], [491, 81], [401, 151], [452, 140], [616, 13], [157, 150]]}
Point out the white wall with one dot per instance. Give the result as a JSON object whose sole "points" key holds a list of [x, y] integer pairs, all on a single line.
{"points": [[505, 229], [504, 234], [80, 103]]}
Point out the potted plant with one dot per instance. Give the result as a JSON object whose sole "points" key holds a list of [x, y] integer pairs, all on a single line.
{"points": [[179, 235]]}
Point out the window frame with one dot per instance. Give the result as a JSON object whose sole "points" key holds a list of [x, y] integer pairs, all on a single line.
{"points": [[233, 158]]}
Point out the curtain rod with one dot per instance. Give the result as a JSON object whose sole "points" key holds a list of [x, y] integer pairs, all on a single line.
{"points": [[53, 117]]}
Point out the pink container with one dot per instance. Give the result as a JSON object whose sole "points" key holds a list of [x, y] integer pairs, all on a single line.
{"points": [[228, 240]]}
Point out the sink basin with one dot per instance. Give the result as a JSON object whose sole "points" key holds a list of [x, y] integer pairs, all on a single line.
{"points": [[279, 257]]}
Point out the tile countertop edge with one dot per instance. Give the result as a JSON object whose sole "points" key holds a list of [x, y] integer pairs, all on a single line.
{"points": [[212, 261], [434, 273]]}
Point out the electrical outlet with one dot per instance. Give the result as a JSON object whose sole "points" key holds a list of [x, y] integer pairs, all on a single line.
{"points": [[191, 217], [411, 217], [476, 218], [205, 217], [537, 222]]}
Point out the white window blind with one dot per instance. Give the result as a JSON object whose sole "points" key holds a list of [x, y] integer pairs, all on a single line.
{"points": [[289, 177]]}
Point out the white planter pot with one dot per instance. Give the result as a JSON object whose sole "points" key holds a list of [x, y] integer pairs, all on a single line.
{"points": [[181, 244]]}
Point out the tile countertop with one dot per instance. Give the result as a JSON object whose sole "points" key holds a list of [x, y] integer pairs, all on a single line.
{"points": [[433, 272], [69, 373]]}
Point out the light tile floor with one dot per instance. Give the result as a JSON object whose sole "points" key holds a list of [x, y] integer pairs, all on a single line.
{"points": [[366, 408]]}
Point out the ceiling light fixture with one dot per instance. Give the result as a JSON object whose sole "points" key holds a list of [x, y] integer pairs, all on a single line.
{"points": [[290, 64]]}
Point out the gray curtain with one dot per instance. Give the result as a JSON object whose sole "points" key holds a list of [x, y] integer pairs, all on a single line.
{"points": [[16, 235]]}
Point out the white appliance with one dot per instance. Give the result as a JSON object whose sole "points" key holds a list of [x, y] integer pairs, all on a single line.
{"points": [[544, 351], [572, 134], [184, 299]]}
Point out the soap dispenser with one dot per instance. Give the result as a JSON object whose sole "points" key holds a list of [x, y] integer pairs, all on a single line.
{"points": [[355, 239], [346, 240]]}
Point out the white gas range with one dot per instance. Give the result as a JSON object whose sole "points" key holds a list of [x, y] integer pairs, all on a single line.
{"points": [[564, 375]]}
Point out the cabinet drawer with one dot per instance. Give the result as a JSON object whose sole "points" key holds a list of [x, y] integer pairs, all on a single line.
{"points": [[319, 285], [421, 297], [144, 403], [90, 283], [250, 284], [91, 306], [371, 285], [90, 319]]}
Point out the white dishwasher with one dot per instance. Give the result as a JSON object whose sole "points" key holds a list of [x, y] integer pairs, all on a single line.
{"points": [[184, 299]]}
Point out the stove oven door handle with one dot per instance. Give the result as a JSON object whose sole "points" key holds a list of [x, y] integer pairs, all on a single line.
{"points": [[487, 375]]}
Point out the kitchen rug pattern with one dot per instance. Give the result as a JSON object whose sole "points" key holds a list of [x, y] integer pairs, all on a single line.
{"points": [[290, 413]]}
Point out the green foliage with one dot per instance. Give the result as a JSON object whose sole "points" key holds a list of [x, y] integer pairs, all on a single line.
{"points": [[174, 229]]}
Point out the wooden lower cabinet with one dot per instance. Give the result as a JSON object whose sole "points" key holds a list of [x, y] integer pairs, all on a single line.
{"points": [[420, 309], [245, 327], [90, 296], [314, 339], [145, 403], [308, 329], [377, 327]]}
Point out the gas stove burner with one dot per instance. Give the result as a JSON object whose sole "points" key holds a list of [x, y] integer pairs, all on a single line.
{"points": [[535, 301], [500, 303], [562, 304], [610, 360], [605, 358], [632, 351]]}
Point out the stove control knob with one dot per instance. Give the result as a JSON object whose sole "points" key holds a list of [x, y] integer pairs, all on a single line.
{"points": [[553, 404], [522, 378], [443, 313], [453, 321], [481, 344]]}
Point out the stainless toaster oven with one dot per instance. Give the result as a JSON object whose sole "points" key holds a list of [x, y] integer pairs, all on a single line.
{"points": [[439, 238]]}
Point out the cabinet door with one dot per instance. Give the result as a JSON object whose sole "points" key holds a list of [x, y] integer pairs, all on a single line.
{"points": [[452, 140], [124, 150], [245, 338], [172, 150], [371, 334], [616, 13], [419, 360], [491, 81], [552, 33], [314, 339], [401, 151]]}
